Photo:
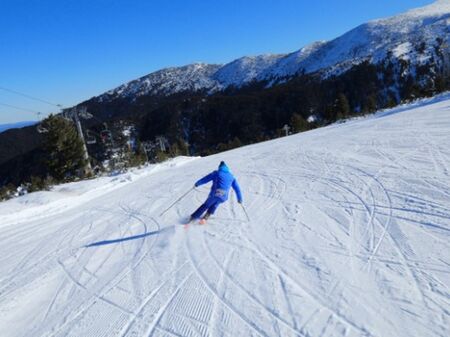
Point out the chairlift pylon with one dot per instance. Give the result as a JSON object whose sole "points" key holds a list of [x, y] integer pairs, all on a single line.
{"points": [[83, 113], [67, 114]]}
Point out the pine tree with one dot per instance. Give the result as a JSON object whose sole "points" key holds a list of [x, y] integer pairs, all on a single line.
{"points": [[63, 148], [298, 123], [342, 107], [370, 104], [160, 156], [183, 147]]}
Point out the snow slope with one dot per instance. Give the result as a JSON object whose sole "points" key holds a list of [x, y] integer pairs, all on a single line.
{"points": [[348, 236], [400, 35]]}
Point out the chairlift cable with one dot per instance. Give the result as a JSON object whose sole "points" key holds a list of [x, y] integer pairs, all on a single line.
{"points": [[30, 97], [18, 108]]}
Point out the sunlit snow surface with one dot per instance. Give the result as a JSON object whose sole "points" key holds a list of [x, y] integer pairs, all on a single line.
{"points": [[348, 236]]}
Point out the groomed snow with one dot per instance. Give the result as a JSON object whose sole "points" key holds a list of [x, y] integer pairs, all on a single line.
{"points": [[348, 236]]}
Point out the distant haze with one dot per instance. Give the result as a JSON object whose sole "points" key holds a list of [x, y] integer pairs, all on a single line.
{"points": [[4, 127]]}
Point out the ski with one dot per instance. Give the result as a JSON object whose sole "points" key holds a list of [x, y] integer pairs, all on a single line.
{"points": [[187, 224]]}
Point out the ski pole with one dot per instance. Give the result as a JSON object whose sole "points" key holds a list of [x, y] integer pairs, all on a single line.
{"points": [[245, 211], [178, 200]]}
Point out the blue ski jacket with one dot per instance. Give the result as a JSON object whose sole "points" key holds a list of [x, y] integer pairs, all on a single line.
{"points": [[222, 181]]}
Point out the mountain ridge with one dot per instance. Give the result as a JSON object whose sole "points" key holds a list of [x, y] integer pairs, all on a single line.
{"points": [[371, 41], [18, 125]]}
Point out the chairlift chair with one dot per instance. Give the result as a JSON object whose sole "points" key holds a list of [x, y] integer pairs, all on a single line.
{"points": [[90, 138], [41, 129], [105, 134]]}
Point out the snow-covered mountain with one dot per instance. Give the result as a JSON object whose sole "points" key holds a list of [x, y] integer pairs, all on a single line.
{"points": [[374, 40], [348, 236], [400, 36], [191, 77], [245, 69]]}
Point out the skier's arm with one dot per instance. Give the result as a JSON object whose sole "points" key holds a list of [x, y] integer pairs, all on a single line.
{"points": [[237, 190], [205, 179]]}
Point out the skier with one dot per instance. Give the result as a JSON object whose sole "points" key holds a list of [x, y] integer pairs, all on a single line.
{"points": [[222, 180]]}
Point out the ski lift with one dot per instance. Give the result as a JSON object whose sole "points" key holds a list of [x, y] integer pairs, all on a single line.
{"points": [[40, 128], [132, 144], [105, 134], [90, 138], [84, 114], [66, 113], [148, 147], [162, 142]]}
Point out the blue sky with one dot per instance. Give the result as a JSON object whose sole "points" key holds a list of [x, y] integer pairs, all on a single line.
{"points": [[67, 51]]}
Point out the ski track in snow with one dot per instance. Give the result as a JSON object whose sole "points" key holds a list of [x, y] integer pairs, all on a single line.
{"points": [[348, 236]]}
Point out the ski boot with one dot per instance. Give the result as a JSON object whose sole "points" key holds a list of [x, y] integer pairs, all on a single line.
{"points": [[205, 217]]}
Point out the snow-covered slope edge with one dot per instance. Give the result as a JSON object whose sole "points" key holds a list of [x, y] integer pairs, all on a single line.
{"points": [[348, 236], [70, 195], [409, 36]]}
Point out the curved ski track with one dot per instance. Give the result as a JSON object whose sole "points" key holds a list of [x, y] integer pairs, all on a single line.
{"points": [[348, 236]]}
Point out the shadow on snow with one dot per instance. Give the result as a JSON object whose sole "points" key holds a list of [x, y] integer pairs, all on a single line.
{"points": [[129, 238]]}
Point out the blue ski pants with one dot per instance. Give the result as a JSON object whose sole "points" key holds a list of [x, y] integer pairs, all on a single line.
{"points": [[210, 205]]}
